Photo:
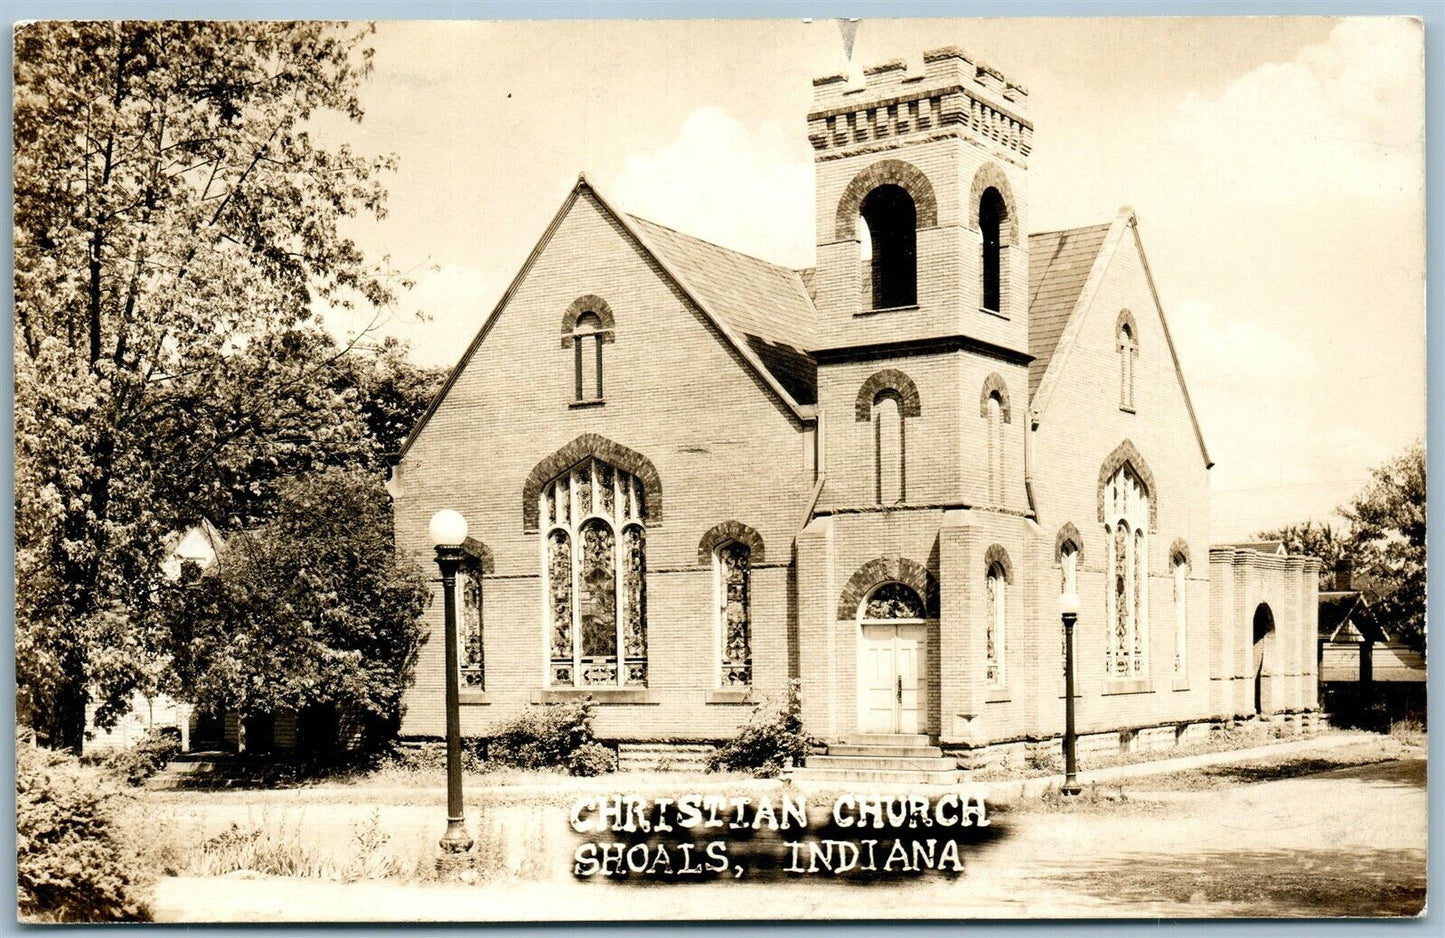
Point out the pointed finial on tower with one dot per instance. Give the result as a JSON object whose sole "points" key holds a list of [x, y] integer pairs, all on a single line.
{"points": [[848, 28]]}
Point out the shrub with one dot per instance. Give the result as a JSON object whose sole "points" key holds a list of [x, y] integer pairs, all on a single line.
{"points": [[429, 757], [542, 737], [592, 759], [137, 763], [74, 860], [771, 740]]}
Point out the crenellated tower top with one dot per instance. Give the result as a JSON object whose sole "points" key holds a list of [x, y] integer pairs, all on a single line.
{"points": [[954, 95]]}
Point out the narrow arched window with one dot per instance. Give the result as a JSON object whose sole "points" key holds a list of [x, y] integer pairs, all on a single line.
{"points": [[734, 575], [995, 636], [991, 212], [1181, 619], [1068, 583], [1126, 519], [889, 247], [595, 578], [587, 356], [888, 447], [1128, 353], [471, 673], [995, 448]]}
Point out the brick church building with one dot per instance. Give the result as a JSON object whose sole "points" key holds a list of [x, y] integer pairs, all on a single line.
{"points": [[692, 475]]}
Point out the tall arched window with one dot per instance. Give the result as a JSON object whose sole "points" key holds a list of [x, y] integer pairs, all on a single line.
{"points": [[1181, 620], [1128, 354], [889, 246], [733, 563], [996, 634], [888, 446], [991, 212], [587, 339], [594, 578], [1068, 583], [1126, 523], [995, 448], [471, 672]]}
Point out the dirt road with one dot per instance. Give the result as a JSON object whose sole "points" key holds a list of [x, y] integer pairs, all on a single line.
{"points": [[1348, 842]]}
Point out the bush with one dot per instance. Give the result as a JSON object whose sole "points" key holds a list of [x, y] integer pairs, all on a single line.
{"points": [[152, 753], [592, 759], [74, 859], [429, 757], [543, 737], [771, 740]]}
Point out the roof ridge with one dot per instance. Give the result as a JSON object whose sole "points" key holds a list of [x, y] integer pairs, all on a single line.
{"points": [[1037, 234]]}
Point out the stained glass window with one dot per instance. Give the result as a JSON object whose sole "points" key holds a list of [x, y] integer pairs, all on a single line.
{"points": [[469, 637], [600, 639], [734, 576], [893, 601], [994, 632], [1127, 519]]}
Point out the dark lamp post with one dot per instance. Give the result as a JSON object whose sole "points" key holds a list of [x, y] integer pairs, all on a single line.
{"points": [[1069, 612], [448, 530]]}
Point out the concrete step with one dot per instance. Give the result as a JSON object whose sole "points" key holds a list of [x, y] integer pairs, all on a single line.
{"points": [[887, 752], [894, 776], [887, 739], [936, 763]]}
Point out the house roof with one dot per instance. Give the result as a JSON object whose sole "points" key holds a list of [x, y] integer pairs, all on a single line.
{"points": [[1062, 297], [786, 371], [1059, 265], [766, 303], [1263, 547]]}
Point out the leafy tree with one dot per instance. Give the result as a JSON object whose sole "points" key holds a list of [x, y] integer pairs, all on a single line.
{"points": [[1315, 540], [1388, 520], [313, 609], [177, 226]]}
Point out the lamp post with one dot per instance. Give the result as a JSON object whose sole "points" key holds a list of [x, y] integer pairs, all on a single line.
{"points": [[1069, 612], [448, 530]]}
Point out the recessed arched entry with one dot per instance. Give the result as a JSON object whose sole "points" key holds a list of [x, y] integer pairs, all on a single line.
{"points": [[892, 660], [1263, 645]]}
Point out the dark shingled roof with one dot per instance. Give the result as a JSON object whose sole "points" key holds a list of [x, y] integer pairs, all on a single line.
{"points": [[767, 304], [1059, 265]]}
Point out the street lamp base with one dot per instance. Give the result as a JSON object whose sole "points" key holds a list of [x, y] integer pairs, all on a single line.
{"points": [[456, 840], [1071, 788], [452, 866]]}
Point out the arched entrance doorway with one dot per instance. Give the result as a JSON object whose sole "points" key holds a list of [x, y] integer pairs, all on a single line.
{"points": [[1263, 640], [892, 655]]}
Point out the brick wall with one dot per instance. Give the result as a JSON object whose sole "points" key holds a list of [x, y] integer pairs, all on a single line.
{"points": [[724, 448], [1081, 424]]}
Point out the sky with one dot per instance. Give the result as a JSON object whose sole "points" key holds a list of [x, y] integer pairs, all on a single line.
{"points": [[1276, 166]]}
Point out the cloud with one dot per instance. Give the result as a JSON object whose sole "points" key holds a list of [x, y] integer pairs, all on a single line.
{"points": [[750, 189], [438, 317], [1343, 117]]}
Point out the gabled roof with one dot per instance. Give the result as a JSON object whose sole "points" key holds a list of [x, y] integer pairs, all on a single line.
{"points": [[1059, 265], [1053, 293], [765, 302], [786, 371]]}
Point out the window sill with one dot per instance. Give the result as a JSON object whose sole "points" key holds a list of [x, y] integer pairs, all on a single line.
{"points": [[1138, 685], [994, 312], [473, 698], [731, 695], [600, 695], [1127, 410], [997, 695], [579, 405], [888, 309], [1181, 683]]}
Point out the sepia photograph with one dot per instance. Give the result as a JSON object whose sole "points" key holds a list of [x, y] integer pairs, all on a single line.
{"points": [[756, 470]]}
